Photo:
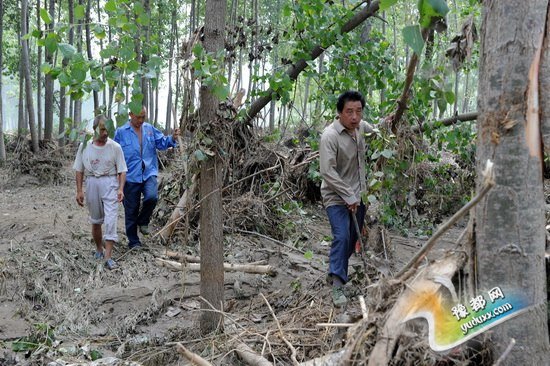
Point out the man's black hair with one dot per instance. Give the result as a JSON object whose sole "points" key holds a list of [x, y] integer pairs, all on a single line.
{"points": [[350, 95]]}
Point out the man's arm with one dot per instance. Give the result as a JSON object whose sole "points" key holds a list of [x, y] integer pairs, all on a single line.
{"points": [[164, 142], [121, 182], [79, 192]]}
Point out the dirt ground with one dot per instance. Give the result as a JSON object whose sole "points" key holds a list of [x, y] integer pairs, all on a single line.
{"points": [[58, 303]]}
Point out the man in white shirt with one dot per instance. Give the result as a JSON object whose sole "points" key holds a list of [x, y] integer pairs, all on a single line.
{"points": [[102, 163]]}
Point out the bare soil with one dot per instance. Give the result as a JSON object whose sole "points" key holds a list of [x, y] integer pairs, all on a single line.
{"points": [[69, 307]]}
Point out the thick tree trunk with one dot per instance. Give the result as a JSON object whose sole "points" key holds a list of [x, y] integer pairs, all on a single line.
{"points": [[510, 231], [211, 173]]}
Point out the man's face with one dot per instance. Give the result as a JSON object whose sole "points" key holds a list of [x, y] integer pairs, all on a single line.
{"points": [[351, 114], [101, 132], [137, 119]]}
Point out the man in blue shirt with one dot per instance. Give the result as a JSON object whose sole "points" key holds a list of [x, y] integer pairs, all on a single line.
{"points": [[140, 141]]}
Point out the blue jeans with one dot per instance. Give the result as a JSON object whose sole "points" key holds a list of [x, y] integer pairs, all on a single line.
{"points": [[344, 237], [137, 213]]}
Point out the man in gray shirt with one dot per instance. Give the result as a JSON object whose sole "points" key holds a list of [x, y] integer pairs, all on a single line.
{"points": [[342, 162], [102, 163]]}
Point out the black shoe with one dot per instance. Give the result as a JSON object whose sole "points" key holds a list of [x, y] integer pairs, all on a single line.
{"points": [[136, 246]]}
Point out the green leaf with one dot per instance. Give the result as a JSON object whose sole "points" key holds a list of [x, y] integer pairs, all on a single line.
{"points": [[99, 31], [133, 66], [450, 97], [119, 97], [79, 12], [200, 155], [36, 33], [413, 38], [64, 79], [308, 255], [110, 6], [107, 52], [67, 50], [136, 104], [386, 4], [439, 6], [46, 68], [110, 125], [220, 91], [51, 43], [45, 16], [22, 345], [95, 354]]}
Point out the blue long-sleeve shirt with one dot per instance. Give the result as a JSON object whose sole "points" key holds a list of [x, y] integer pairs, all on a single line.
{"points": [[142, 164]]}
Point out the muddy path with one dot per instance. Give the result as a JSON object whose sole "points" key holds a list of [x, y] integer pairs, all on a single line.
{"points": [[64, 305]]}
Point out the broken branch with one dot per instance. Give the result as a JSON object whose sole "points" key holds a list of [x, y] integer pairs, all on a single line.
{"points": [[229, 267]]}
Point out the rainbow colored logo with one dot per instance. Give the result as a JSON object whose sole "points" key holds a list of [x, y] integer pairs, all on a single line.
{"points": [[452, 322]]}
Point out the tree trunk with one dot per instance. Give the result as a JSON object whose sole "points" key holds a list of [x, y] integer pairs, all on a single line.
{"points": [[2, 146], [21, 133], [38, 77], [510, 223], [27, 70], [211, 173], [48, 83], [89, 49]]}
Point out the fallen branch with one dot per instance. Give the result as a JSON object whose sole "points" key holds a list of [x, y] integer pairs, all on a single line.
{"points": [[248, 355], [488, 183], [228, 267], [167, 231], [292, 349], [192, 357], [472, 116], [181, 257]]}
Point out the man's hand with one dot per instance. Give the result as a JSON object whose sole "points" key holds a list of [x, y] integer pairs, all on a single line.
{"points": [[120, 195], [353, 207], [176, 134], [80, 198]]}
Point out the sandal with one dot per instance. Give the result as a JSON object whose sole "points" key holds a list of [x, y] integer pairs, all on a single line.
{"points": [[111, 264], [98, 255]]}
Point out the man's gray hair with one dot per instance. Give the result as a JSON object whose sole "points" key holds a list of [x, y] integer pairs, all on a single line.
{"points": [[99, 118]]}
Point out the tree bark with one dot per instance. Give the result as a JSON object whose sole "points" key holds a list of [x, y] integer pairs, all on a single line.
{"points": [[27, 71], [211, 173], [510, 223], [89, 49], [38, 77], [2, 146], [48, 83]]}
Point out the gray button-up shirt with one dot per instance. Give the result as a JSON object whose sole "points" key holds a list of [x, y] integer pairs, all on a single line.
{"points": [[342, 163]]}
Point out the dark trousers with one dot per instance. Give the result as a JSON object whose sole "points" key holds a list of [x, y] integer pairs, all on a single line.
{"points": [[344, 237], [136, 212]]}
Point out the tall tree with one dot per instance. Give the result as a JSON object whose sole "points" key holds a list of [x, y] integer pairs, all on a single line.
{"points": [[2, 146], [510, 228], [48, 80], [211, 173], [38, 77], [27, 74]]}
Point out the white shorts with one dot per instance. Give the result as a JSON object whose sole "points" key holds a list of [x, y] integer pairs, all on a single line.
{"points": [[101, 199]]}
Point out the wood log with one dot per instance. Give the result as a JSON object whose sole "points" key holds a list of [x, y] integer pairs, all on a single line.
{"points": [[192, 357], [181, 257], [167, 231], [229, 267], [248, 355]]}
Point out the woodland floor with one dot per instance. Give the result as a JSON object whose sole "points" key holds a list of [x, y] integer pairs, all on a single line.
{"points": [[50, 282]]}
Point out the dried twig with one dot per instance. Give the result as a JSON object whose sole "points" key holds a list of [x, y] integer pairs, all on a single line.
{"points": [[292, 349], [271, 239], [192, 357], [506, 352]]}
